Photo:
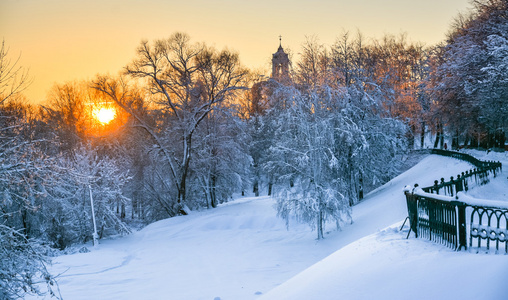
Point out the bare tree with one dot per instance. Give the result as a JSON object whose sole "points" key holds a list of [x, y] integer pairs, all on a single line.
{"points": [[13, 78], [187, 81], [315, 63], [66, 111]]}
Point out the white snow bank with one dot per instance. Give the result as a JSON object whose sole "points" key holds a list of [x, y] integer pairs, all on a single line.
{"points": [[387, 266], [241, 250]]}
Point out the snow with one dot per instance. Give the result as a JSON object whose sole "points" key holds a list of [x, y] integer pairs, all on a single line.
{"points": [[385, 265], [241, 250]]}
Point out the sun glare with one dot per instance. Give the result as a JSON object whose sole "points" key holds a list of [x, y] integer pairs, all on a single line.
{"points": [[104, 115]]}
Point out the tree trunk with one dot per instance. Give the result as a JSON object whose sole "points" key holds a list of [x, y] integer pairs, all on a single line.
{"points": [[123, 213], [455, 140], [502, 140], [411, 137], [438, 133], [185, 168], [360, 187], [26, 226], [213, 196], [134, 204], [441, 140], [255, 188], [467, 140], [422, 136], [320, 225]]}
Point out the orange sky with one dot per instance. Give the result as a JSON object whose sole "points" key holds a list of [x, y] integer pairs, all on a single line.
{"points": [[64, 40]]}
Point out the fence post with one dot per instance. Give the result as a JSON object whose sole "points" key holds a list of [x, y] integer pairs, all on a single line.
{"points": [[466, 182], [458, 184], [451, 185], [461, 226], [412, 211]]}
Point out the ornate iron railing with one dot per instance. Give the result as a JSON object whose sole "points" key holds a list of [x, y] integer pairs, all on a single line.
{"points": [[489, 225], [456, 220]]}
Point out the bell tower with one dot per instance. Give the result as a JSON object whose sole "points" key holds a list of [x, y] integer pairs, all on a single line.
{"points": [[280, 63]]}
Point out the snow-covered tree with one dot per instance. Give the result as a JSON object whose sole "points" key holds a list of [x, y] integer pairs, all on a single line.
{"points": [[78, 179], [221, 160], [260, 118], [468, 82], [304, 159], [187, 82], [330, 144], [22, 175], [382, 139], [494, 93]]}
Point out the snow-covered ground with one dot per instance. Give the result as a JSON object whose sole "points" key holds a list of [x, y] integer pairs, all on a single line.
{"points": [[241, 250]]}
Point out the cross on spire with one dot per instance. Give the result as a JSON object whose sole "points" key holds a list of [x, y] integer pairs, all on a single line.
{"points": [[280, 63]]}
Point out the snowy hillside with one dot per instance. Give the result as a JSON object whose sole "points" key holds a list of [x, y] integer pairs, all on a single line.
{"points": [[385, 265], [241, 250]]}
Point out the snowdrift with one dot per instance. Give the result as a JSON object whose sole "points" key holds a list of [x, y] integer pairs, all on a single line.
{"points": [[241, 250]]}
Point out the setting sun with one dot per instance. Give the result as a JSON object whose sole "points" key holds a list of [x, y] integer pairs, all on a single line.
{"points": [[104, 115]]}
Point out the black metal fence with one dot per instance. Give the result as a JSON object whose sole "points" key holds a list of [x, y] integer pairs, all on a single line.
{"points": [[479, 175], [438, 220], [442, 218]]}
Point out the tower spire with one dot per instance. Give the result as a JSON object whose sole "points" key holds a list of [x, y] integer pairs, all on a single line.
{"points": [[280, 63]]}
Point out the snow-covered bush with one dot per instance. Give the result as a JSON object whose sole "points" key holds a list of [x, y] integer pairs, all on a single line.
{"points": [[22, 266]]}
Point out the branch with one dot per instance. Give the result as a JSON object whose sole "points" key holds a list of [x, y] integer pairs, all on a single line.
{"points": [[110, 90]]}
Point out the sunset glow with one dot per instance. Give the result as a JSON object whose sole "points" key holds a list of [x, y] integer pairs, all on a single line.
{"points": [[104, 114], [74, 38]]}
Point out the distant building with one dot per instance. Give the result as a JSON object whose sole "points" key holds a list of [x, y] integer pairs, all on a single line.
{"points": [[280, 64], [260, 91]]}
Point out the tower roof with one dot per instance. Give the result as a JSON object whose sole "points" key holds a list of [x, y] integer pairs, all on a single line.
{"points": [[280, 54], [280, 49]]}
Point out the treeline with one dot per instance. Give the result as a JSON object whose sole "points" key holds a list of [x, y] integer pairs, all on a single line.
{"points": [[469, 76], [193, 127]]}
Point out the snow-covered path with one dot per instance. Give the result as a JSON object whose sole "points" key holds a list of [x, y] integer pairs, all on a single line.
{"points": [[241, 250]]}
